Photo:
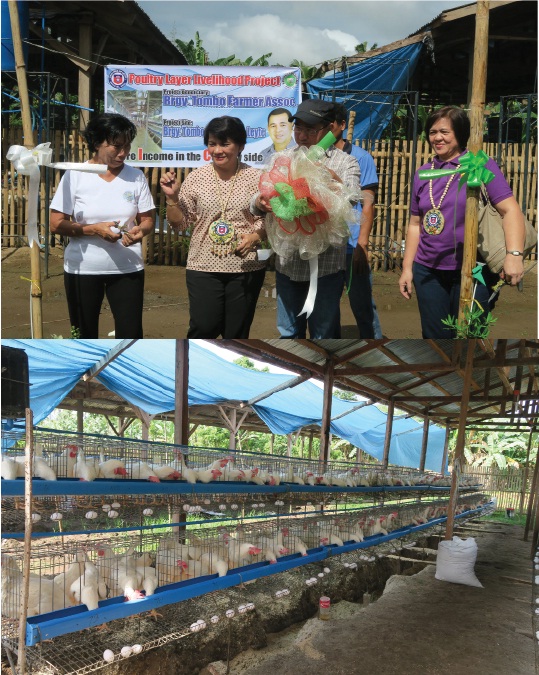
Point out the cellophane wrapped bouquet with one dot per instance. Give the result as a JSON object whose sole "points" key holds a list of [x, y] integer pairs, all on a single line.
{"points": [[310, 210]]}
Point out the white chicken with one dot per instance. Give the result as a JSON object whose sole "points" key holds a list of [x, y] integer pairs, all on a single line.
{"points": [[89, 587], [188, 474], [206, 475], [9, 468], [110, 468], [142, 471], [41, 468], [75, 570], [164, 472], [241, 553], [148, 579], [43, 594], [83, 469]]}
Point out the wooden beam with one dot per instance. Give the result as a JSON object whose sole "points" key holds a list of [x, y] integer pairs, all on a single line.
{"points": [[262, 351], [424, 443], [351, 371], [359, 351], [107, 359], [289, 384]]}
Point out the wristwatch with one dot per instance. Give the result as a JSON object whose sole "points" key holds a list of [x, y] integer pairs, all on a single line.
{"points": [[515, 253]]}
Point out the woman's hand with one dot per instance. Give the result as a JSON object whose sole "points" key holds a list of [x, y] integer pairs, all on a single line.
{"points": [[262, 204], [169, 185], [513, 269], [247, 244], [405, 284], [132, 236], [104, 230]]}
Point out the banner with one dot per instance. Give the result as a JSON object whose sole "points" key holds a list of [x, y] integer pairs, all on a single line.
{"points": [[171, 105]]}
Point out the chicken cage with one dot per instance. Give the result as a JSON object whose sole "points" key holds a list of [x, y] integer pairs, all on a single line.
{"points": [[89, 457]]}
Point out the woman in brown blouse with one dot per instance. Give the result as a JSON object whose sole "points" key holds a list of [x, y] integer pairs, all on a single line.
{"points": [[224, 277]]}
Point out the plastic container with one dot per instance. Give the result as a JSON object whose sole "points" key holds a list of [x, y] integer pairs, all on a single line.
{"points": [[323, 608]]}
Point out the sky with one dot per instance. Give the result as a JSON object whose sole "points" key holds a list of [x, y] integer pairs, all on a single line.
{"points": [[312, 31]]}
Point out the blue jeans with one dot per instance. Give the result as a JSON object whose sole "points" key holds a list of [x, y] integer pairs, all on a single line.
{"points": [[438, 293], [362, 302], [325, 320]]}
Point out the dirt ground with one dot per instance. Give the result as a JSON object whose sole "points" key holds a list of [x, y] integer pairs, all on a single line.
{"points": [[420, 624], [166, 312]]}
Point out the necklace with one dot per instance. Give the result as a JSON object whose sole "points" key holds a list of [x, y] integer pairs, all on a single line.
{"points": [[433, 220], [221, 231]]}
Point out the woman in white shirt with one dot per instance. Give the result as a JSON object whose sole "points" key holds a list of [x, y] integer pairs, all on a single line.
{"points": [[105, 217]]}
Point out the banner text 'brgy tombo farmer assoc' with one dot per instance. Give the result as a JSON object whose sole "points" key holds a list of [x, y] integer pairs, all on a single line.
{"points": [[171, 105]]}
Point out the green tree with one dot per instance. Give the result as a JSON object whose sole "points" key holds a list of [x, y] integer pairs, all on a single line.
{"points": [[196, 55], [345, 395], [361, 48], [246, 362]]}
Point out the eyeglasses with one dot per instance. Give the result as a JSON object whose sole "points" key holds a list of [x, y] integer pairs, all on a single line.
{"points": [[308, 131]]}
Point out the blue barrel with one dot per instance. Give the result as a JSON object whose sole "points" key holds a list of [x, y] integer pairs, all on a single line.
{"points": [[8, 55]]}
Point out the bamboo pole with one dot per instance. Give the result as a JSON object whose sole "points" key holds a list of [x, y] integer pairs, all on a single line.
{"points": [[477, 103], [181, 414], [28, 473], [459, 449], [424, 443], [525, 478], [35, 262]]}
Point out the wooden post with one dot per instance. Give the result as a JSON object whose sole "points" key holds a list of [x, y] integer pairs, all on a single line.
{"points": [[532, 496], [424, 443], [389, 429], [80, 416], [326, 412], [181, 414], [459, 449], [526, 471], [35, 261], [477, 103], [85, 76], [446, 449], [232, 430]]}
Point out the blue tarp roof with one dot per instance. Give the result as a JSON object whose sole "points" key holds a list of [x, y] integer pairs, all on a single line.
{"points": [[389, 72], [144, 376]]}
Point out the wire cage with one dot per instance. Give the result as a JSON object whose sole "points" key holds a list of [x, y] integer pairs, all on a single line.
{"points": [[66, 455], [168, 558]]}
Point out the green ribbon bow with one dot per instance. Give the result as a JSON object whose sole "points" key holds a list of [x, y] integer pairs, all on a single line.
{"points": [[286, 206], [472, 168]]}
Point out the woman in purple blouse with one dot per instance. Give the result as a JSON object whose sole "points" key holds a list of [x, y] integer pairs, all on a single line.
{"points": [[435, 239]]}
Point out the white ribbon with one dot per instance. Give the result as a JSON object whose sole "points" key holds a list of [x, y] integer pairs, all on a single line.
{"points": [[313, 286], [27, 162]]}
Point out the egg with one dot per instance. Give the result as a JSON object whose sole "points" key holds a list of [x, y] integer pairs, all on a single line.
{"points": [[186, 507], [106, 507], [36, 517], [136, 649], [234, 507], [115, 505], [207, 501], [222, 507], [202, 624], [327, 570], [147, 512], [230, 613], [108, 655], [194, 627], [250, 606], [112, 514], [56, 516], [242, 609], [321, 574], [214, 619], [90, 515], [125, 652]]}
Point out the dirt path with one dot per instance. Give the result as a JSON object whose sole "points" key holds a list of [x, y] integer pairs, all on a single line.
{"points": [[421, 625], [166, 307]]}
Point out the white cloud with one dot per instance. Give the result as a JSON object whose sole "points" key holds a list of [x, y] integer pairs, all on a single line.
{"points": [[265, 33]]}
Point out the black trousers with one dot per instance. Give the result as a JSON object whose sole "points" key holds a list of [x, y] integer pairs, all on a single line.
{"points": [[85, 293], [222, 303]]}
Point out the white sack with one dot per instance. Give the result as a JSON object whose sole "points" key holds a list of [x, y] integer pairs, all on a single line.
{"points": [[456, 560]]}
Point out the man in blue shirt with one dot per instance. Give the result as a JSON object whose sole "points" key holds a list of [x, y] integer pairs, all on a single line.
{"points": [[358, 270]]}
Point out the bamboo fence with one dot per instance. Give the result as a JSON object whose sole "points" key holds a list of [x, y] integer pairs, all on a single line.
{"points": [[510, 486], [164, 247]]}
